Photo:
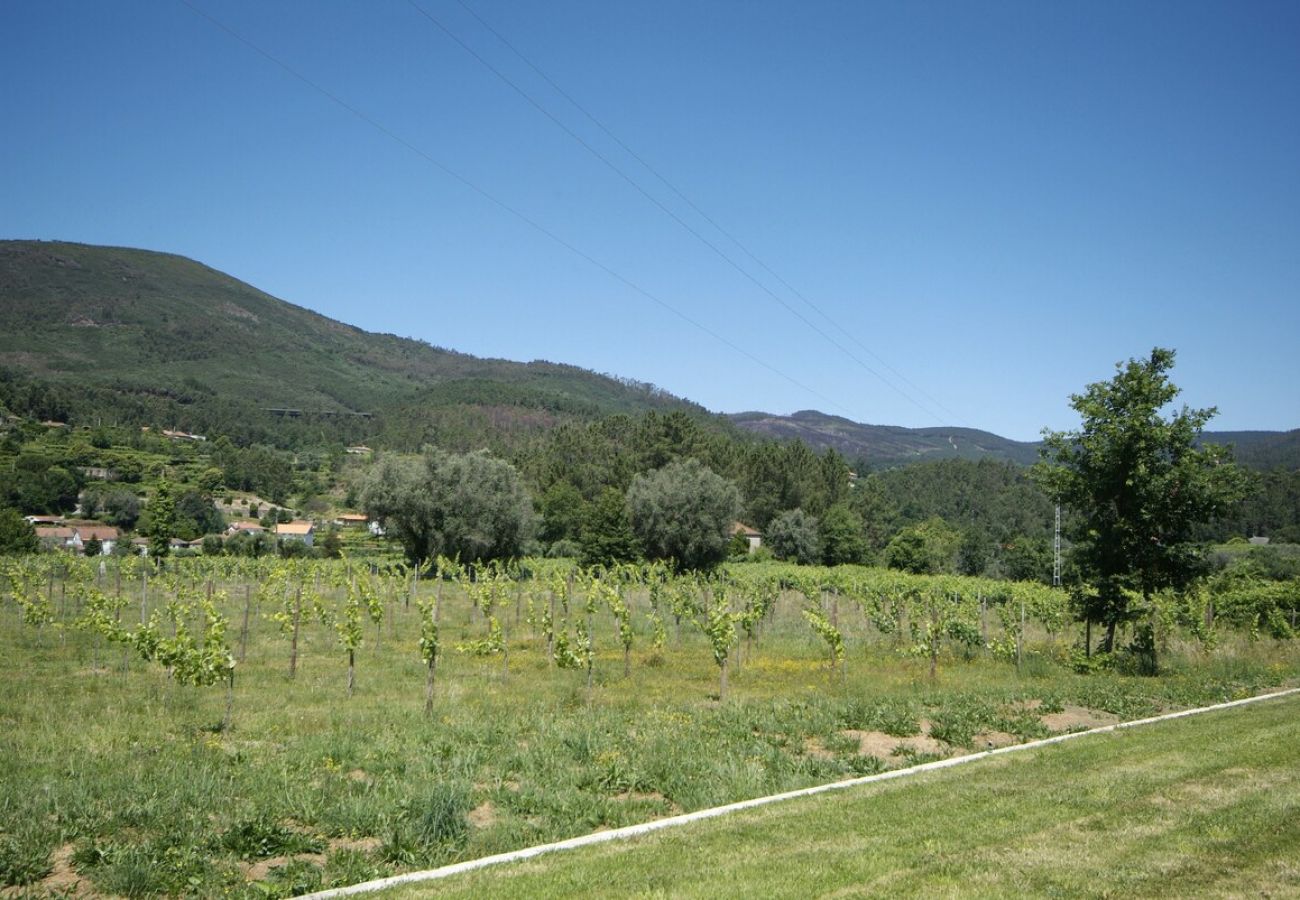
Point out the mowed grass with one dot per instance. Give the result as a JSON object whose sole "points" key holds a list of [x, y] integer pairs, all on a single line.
{"points": [[1203, 806], [124, 782]]}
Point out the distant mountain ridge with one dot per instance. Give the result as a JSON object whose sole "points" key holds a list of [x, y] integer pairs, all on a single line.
{"points": [[884, 446]]}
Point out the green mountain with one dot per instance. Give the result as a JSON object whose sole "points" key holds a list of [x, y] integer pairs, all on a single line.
{"points": [[138, 337]]}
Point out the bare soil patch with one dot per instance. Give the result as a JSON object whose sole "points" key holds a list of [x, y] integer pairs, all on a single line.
{"points": [[1078, 718], [991, 740], [259, 871], [360, 845], [484, 815], [890, 747], [63, 878]]}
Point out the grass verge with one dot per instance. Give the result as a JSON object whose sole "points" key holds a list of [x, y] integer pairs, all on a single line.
{"points": [[1206, 806]]}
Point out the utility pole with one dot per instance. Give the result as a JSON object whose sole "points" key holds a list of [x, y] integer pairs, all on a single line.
{"points": [[1056, 549]]}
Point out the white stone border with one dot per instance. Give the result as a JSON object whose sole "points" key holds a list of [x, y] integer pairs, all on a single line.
{"points": [[618, 834]]}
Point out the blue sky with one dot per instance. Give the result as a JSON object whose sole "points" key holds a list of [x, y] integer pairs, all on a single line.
{"points": [[988, 205]]}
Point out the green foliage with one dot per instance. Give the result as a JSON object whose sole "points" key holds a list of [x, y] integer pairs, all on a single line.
{"points": [[606, 537], [563, 512], [40, 483], [842, 538], [470, 506], [683, 512], [929, 548], [262, 837], [1139, 485], [17, 536], [162, 521], [1027, 558], [793, 536]]}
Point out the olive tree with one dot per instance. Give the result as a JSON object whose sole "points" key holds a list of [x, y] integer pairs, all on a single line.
{"points": [[684, 512], [472, 506], [793, 535]]}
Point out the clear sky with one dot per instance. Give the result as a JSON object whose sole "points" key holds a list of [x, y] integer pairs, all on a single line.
{"points": [[987, 205]]}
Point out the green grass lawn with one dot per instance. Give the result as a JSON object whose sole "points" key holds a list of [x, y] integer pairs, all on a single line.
{"points": [[1204, 806]]}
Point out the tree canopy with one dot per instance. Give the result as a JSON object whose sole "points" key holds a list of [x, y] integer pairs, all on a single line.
{"points": [[684, 512], [1139, 484], [472, 506]]}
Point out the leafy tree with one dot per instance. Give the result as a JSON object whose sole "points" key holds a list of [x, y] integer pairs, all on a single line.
{"points": [[684, 512], [473, 506], [563, 512], [17, 536], [606, 538], [162, 521], [973, 554], [1139, 485], [875, 506], [93, 547], [197, 515], [116, 505], [843, 540], [40, 484], [1027, 559], [793, 536], [331, 545], [929, 548]]}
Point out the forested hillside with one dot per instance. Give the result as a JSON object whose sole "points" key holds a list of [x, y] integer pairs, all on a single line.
{"points": [[119, 336]]}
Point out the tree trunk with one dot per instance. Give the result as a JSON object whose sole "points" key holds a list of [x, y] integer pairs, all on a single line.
{"points": [[722, 682], [352, 670], [1108, 643]]}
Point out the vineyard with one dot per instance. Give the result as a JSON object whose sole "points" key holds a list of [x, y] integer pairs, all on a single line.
{"points": [[265, 727]]}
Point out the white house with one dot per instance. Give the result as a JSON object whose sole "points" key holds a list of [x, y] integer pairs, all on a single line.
{"points": [[297, 530]]}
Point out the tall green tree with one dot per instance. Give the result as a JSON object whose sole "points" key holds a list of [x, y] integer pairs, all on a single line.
{"points": [[684, 512], [606, 537], [1139, 484], [162, 521], [843, 539]]}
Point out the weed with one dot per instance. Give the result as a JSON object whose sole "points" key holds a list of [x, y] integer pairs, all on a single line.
{"points": [[261, 837], [24, 858]]}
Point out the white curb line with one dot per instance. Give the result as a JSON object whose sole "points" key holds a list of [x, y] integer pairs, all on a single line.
{"points": [[617, 834]]}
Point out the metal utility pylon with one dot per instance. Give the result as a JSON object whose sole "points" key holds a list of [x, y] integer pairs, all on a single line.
{"points": [[1056, 549]]}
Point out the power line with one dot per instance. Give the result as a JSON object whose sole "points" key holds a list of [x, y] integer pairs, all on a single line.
{"points": [[685, 199], [500, 204]]}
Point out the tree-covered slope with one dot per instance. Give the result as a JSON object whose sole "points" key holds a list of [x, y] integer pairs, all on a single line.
{"points": [[156, 336]]}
